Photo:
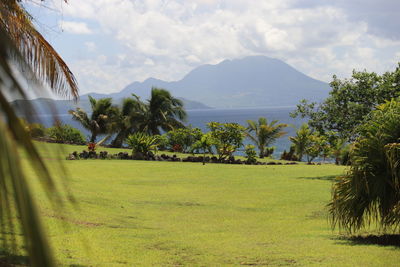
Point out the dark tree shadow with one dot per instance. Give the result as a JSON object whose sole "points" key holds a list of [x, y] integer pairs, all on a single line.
{"points": [[381, 240], [322, 178]]}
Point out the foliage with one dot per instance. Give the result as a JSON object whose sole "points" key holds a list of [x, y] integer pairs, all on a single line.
{"points": [[204, 144], [142, 143], [345, 155], [102, 119], [317, 145], [66, 133], [163, 142], [338, 150], [301, 140], [25, 51], [350, 101], [228, 137], [264, 133], [127, 119], [370, 190], [291, 155], [183, 138], [250, 154], [34, 130], [269, 151], [162, 111]]}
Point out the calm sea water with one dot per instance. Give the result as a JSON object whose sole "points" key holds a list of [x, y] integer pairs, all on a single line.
{"points": [[199, 118]]}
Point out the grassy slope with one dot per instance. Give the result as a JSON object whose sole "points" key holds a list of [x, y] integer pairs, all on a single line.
{"points": [[164, 213]]}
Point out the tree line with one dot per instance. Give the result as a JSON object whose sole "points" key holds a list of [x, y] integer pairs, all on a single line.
{"points": [[361, 114]]}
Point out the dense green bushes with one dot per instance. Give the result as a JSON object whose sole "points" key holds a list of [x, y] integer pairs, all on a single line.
{"points": [[370, 191], [60, 133], [66, 134]]}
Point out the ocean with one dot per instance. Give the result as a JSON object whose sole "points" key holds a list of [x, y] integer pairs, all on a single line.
{"points": [[199, 118]]}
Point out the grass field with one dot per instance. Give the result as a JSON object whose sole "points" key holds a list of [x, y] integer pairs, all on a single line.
{"points": [[137, 213]]}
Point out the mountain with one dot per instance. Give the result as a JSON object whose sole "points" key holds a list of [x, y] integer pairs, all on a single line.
{"points": [[248, 82], [43, 106]]}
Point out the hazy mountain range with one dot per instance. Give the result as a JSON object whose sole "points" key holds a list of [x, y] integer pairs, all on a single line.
{"points": [[248, 82]]}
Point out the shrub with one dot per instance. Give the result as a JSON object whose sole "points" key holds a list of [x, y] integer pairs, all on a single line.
{"points": [[268, 151], [370, 190], [142, 143], [250, 154], [228, 137], [291, 155], [180, 140], [37, 130], [163, 142], [66, 134], [34, 130]]}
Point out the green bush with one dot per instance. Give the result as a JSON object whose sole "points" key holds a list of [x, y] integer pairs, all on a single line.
{"points": [[369, 192], [182, 139], [142, 143], [228, 137], [251, 154], [268, 151], [34, 130], [66, 134]]}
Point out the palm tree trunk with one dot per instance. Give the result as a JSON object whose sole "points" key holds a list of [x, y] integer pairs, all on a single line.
{"points": [[261, 148], [119, 139], [93, 138]]}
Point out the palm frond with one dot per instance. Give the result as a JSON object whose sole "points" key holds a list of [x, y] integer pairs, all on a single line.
{"points": [[46, 63]]}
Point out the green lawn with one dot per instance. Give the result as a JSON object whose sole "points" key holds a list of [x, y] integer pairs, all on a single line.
{"points": [[133, 213]]}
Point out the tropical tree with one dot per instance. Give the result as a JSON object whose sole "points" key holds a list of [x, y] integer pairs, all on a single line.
{"points": [[301, 140], [184, 138], [101, 120], [228, 137], [338, 146], [264, 133], [25, 51], [163, 112], [350, 101], [370, 191], [204, 145], [128, 119], [317, 145]]}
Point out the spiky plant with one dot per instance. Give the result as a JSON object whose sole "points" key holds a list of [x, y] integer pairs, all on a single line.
{"points": [[23, 49], [370, 191], [142, 143]]}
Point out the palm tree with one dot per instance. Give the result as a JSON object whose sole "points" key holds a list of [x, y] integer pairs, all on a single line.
{"points": [[163, 111], [264, 134], [370, 190], [101, 119], [128, 120], [301, 140], [25, 49]]}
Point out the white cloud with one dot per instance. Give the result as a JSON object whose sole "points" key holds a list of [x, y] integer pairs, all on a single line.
{"points": [[75, 27], [166, 39], [91, 46]]}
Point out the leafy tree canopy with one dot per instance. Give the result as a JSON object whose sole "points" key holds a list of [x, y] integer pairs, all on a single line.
{"points": [[350, 101], [370, 191]]}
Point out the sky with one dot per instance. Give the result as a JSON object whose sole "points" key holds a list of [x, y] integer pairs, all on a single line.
{"points": [[109, 44]]}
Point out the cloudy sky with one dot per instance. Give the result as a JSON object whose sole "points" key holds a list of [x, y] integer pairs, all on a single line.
{"points": [[111, 43]]}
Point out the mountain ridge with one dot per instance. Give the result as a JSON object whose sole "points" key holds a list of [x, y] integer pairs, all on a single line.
{"points": [[246, 82]]}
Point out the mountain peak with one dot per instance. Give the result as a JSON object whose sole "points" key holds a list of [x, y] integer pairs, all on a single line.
{"points": [[245, 82]]}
